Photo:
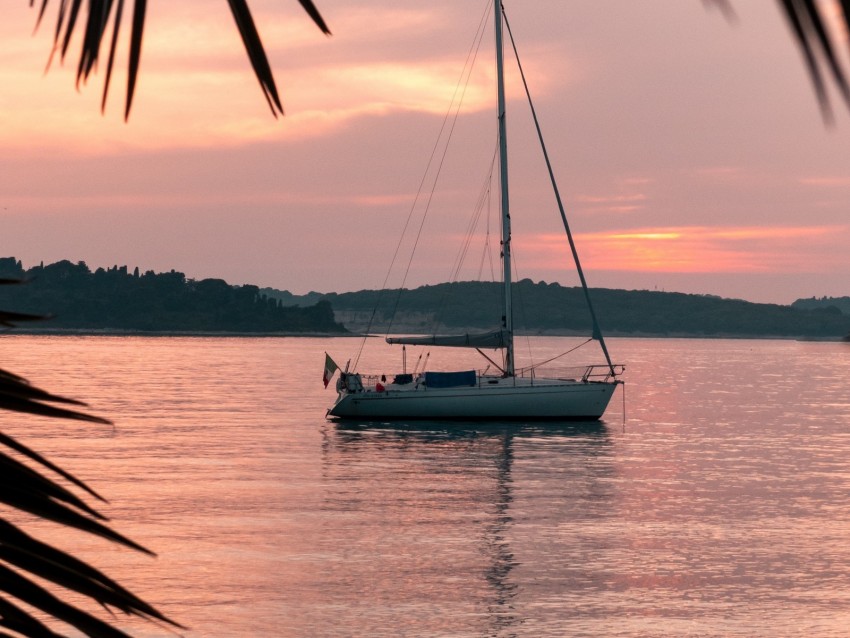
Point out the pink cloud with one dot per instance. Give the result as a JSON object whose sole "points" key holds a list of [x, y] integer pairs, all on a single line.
{"points": [[697, 249]]}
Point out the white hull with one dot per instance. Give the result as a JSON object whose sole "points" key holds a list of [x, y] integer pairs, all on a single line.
{"points": [[506, 399]]}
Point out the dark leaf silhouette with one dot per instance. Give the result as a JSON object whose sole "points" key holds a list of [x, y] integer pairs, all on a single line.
{"points": [[26, 489], [9, 319], [99, 15], [256, 53], [725, 7], [809, 26]]}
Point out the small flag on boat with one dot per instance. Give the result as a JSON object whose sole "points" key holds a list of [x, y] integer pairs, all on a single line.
{"points": [[330, 368]]}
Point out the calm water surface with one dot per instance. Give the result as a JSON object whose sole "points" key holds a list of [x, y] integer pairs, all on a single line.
{"points": [[720, 507]]}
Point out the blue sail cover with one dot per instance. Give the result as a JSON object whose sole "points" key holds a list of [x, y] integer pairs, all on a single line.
{"points": [[450, 379], [494, 339]]}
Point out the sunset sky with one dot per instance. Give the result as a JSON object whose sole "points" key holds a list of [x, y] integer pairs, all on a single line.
{"points": [[690, 152]]}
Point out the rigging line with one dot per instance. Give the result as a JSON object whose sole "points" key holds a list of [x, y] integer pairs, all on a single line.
{"points": [[473, 47], [597, 333], [496, 365], [457, 266], [454, 277], [487, 252], [481, 203], [556, 357], [473, 223], [487, 205], [486, 248]]}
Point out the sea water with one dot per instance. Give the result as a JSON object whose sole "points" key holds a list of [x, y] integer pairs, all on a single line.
{"points": [[712, 500]]}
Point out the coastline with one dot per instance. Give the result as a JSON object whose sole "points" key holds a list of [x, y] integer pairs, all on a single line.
{"points": [[111, 332]]}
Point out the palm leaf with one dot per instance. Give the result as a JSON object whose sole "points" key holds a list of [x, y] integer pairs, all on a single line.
{"points": [[29, 554], [809, 29], [310, 8], [16, 619], [38, 597], [27, 490], [23, 450], [72, 22], [725, 7], [119, 11], [24, 488], [33, 487], [18, 395], [138, 28], [256, 53], [8, 319], [98, 15]]}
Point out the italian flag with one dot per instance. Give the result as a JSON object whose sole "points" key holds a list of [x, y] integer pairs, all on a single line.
{"points": [[330, 368]]}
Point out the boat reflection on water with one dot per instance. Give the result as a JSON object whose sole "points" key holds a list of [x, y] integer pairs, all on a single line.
{"points": [[440, 429], [440, 517]]}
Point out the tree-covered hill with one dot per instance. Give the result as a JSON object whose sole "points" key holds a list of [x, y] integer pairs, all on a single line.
{"points": [[542, 307], [116, 299], [829, 304]]}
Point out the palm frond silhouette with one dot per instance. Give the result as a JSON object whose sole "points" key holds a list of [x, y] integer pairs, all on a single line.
{"points": [[103, 17], [810, 26], [31, 483]]}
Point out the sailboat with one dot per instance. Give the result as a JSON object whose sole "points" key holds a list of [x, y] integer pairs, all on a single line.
{"points": [[508, 392]]}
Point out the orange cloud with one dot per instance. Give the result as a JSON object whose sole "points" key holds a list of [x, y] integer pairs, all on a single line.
{"points": [[826, 181], [699, 249]]}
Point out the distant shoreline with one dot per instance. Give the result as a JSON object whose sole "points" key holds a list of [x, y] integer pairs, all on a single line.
{"points": [[91, 332]]}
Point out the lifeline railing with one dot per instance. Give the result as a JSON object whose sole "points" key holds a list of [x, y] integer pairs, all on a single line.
{"points": [[597, 372]]}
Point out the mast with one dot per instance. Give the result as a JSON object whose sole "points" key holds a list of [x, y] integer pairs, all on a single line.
{"points": [[507, 320]]}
